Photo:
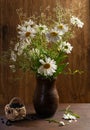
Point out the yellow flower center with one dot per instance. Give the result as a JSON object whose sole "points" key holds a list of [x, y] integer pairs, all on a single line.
{"points": [[27, 34], [54, 34], [47, 66], [60, 26]]}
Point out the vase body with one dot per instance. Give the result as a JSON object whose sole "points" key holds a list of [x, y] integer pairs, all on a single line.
{"points": [[46, 98]]}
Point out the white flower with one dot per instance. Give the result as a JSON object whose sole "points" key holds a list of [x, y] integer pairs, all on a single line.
{"points": [[12, 67], [62, 28], [76, 21], [26, 32], [22, 46], [48, 67], [62, 123], [65, 47], [13, 56], [68, 116], [26, 24], [70, 121], [53, 36], [16, 46], [29, 23], [41, 28]]}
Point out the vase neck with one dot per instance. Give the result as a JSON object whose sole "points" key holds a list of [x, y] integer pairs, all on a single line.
{"points": [[47, 83]]}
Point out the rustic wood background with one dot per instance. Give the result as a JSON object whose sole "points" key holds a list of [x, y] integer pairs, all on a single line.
{"points": [[71, 88]]}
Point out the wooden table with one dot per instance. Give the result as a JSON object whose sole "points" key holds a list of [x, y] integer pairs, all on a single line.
{"points": [[83, 123]]}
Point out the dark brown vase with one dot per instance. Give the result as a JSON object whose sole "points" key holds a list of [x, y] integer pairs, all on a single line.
{"points": [[46, 98]]}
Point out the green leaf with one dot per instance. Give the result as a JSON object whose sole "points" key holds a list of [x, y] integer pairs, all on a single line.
{"points": [[60, 69], [71, 112]]}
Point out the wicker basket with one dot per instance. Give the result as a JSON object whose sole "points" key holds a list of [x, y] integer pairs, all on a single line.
{"points": [[15, 110]]}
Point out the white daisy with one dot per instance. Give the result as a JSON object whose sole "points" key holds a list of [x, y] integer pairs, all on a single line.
{"points": [[53, 36], [26, 24], [41, 28], [48, 67], [65, 47], [76, 21], [62, 28], [29, 23], [68, 116], [26, 32]]}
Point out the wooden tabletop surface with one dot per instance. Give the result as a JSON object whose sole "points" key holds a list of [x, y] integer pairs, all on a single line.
{"points": [[83, 123]]}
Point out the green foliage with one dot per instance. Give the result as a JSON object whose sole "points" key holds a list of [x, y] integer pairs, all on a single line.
{"points": [[68, 110], [43, 42]]}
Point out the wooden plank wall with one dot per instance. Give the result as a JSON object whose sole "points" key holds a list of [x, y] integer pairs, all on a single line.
{"points": [[70, 88]]}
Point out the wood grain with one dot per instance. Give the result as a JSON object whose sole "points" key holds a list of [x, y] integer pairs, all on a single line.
{"points": [[83, 123], [71, 88]]}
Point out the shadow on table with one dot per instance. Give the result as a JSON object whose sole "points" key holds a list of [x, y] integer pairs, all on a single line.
{"points": [[30, 120]]}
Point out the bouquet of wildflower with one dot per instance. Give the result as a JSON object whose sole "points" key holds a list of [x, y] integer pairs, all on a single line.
{"points": [[43, 43]]}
